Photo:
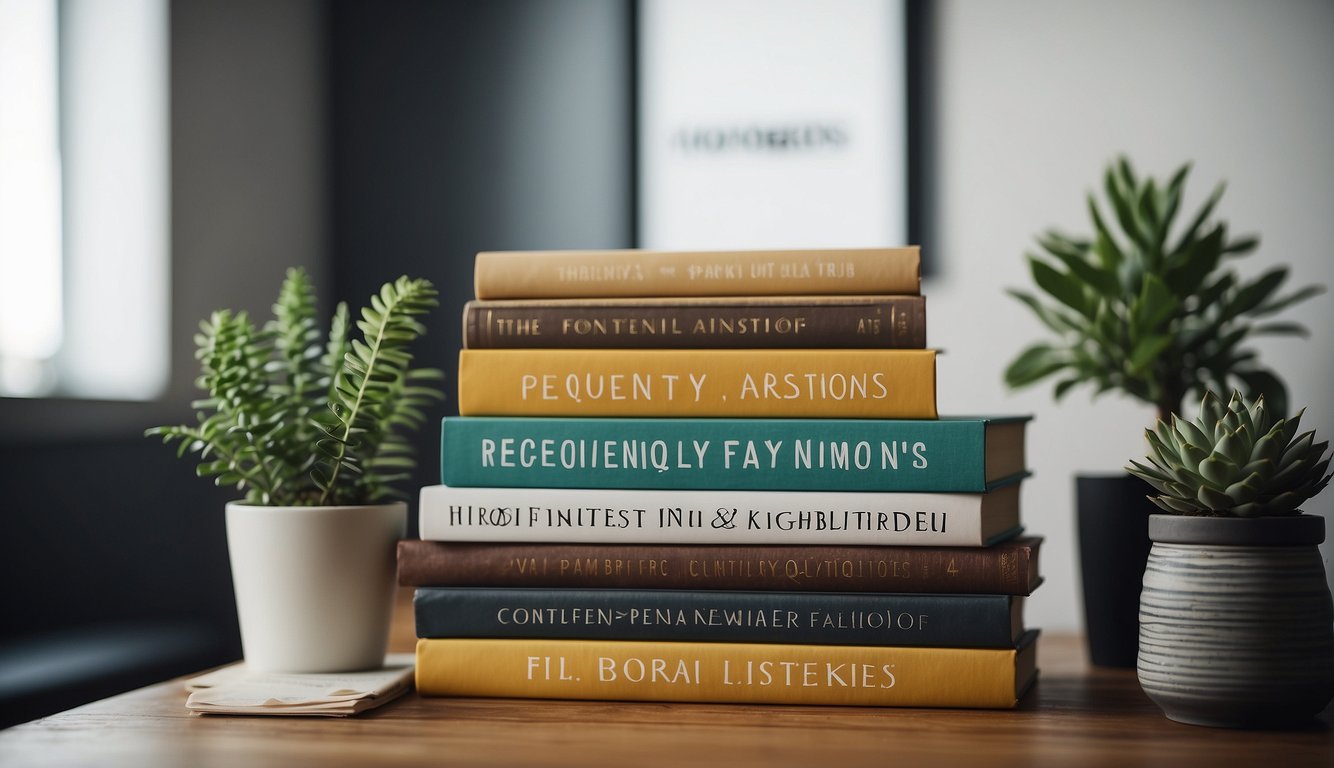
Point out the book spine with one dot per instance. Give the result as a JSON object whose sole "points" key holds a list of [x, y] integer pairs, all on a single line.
{"points": [[717, 517], [1010, 567], [960, 621], [890, 322], [718, 672], [759, 454], [801, 383], [629, 273]]}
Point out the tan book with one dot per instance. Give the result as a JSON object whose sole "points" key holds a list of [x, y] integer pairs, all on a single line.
{"points": [[633, 273]]}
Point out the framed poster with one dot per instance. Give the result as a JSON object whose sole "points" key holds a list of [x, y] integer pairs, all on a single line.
{"points": [[772, 124]]}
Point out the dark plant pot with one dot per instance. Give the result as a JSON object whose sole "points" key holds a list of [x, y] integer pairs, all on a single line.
{"points": [[1113, 524], [1236, 621]]}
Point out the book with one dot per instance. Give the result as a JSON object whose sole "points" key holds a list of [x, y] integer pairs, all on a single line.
{"points": [[1010, 567], [798, 383], [753, 673], [951, 454], [630, 273], [621, 516], [960, 621], [769, 322]]}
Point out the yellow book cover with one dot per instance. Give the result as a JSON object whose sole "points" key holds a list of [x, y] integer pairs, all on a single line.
{"points": [[634, 273], [750, 673], [801, 383]]}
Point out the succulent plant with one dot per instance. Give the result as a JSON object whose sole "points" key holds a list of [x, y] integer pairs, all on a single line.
{"points": [[1154, 313], [1233, 461]]}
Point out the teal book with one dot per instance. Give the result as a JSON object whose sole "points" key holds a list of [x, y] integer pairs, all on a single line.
{"points": [[948, 455]]}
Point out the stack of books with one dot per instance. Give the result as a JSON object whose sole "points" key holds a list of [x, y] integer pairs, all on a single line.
{"points": [[717, 477]]}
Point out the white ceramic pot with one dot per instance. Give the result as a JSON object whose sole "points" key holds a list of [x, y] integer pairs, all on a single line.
{"points": [[1236, 621], [314, 585]]}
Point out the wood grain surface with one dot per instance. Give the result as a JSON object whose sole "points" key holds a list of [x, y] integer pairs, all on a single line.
{"points": [[1076, 716]]}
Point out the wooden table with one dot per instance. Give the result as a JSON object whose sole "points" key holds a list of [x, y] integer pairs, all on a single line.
{"points": [[1075, 717]]}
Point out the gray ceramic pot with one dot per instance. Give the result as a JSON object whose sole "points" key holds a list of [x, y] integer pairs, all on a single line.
{"points": [[1236, 624]]}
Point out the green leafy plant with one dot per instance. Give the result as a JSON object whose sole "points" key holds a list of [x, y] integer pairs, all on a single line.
{"points": [[1148, 312], [295, 417], [1233, 461]]}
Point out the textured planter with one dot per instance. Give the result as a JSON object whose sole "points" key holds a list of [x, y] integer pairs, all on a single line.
{"points": [[1236, 624], [1113, 523], [314, 585]]}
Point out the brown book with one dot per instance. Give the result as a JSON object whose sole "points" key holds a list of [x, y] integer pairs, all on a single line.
{"points": [[1008, 568], [799, 322]]}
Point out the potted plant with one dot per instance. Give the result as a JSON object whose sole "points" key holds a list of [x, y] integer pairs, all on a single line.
{"points": [[309, 425], [1152, 310], [1236, 626]]}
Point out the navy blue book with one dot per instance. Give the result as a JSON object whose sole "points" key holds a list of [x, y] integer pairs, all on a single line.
{"points": [[825, 618]]}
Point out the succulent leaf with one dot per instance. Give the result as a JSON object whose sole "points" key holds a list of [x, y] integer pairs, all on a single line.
{"points": [[1243, 491], [1189, 434], [1218, 470], [1211, 499]]}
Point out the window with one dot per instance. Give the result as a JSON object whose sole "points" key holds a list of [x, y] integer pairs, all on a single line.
{"points": [[84, 229]]}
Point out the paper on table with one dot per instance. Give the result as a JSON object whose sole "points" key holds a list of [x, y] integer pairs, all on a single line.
{"points": [[235, 690]]}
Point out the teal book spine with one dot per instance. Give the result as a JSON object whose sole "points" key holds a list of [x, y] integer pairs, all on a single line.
{"points": [[948, 455]]}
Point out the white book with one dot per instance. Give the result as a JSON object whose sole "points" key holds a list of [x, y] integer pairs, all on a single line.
{"points": [[618, 516]]}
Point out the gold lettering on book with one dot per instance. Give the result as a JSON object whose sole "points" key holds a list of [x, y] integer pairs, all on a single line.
{"points": [[518, 326], [588, 273], [806, 674], [815, 386], [748, 326], [655, 670], [621, 326], [548, 668], [578, 388]]}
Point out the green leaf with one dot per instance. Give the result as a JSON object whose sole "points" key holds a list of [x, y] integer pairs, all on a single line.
{"points": [[1254, 293], [1280, 329], [1102, 281], [1264, 383], [1052, 318], [1218, 471], [1111, 254], [1061, 286], [1063, 387], [1187, 270], [1189, 235], [1033, 364], [1122, 200], [1155, 306], [1242, 246], [1147, 351], [1211, 499], [1293, 298], [1175, 506]]}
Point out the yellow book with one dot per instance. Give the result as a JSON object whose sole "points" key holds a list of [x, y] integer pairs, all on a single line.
{"points": [[635, 273], [800, 383], [750, 673]]}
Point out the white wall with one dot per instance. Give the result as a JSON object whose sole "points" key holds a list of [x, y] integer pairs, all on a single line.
{"points": [[1035, 96]]}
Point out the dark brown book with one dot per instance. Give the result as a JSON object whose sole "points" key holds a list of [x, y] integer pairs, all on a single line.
{"points": [[794, 322], [1009, 568]]}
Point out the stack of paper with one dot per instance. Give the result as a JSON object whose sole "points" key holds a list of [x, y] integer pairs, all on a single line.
{"points": [[235, 690]]}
